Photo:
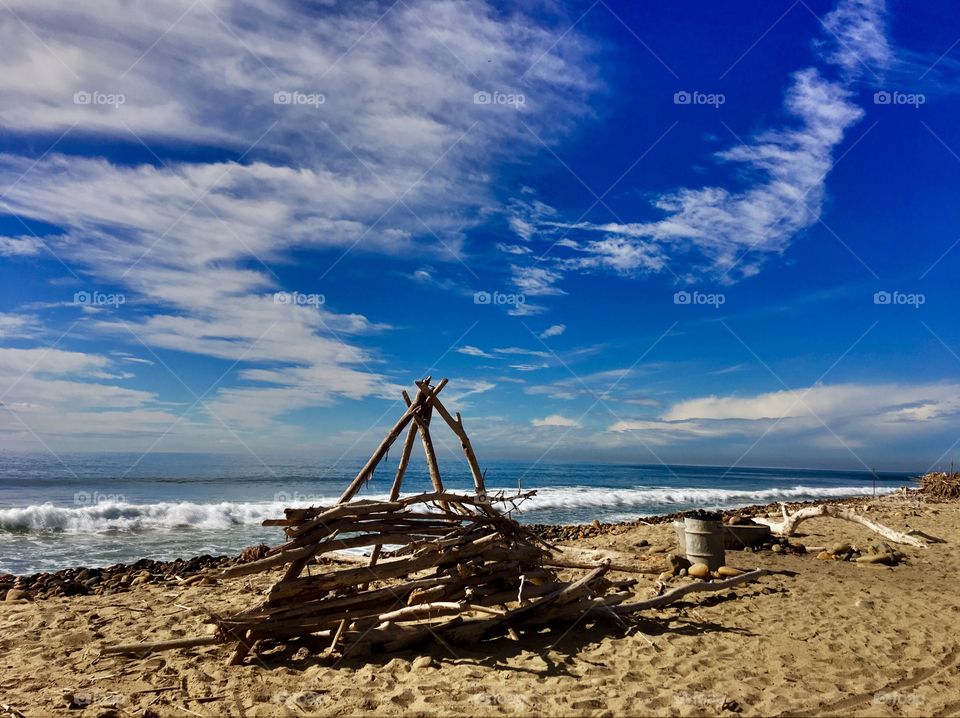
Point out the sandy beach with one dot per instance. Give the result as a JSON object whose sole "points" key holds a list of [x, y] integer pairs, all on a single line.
{"points": [[837, 638]]}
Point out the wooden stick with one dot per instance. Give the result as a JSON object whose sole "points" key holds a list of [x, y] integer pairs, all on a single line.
{"points": [[423, 426], [153, 646], [457, 426]]}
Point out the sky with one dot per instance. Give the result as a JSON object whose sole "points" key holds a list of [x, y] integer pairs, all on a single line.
{"points": [[716, 233]]}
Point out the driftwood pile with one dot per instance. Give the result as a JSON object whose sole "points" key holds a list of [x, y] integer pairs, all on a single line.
{"points": [[444, 566], [941, 485]]}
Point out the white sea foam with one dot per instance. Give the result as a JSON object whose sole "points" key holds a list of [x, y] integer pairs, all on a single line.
{"points": [[112, 516]]}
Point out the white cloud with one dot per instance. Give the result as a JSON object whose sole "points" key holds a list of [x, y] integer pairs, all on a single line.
{"points": [[554, 330], [397, 145], [23, 246], [729, 233], [473, 351], [520, 351], [554, 420], [885, 402], [536, 281]]}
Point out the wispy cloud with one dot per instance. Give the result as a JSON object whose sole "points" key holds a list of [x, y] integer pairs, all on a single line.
{"points": [[391, 156], [729, 233], [553, 330]]}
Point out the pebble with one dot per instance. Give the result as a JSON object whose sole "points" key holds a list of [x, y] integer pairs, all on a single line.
{"points": [[699, 570], [728, 571], [839, 548], [665, 576], [864, 603], [777, 548], [422, 662], [825, 556]]}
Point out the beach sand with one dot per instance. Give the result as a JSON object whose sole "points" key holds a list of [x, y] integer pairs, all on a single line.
{"points": [[837, 639]]}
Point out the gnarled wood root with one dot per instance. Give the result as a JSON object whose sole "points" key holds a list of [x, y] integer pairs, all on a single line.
{"points": [[788, 526]]}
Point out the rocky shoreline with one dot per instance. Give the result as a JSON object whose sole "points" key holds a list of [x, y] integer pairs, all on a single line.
{"points": [[119, 578]]}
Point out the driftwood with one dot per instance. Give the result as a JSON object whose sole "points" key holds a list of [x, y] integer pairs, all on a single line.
{"points": [[150, 647], [444, 565], [788, 526], [700, 586]]}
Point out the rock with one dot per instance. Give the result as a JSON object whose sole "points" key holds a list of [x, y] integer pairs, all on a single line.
{"points": [[682, 572], [864, 603], [777, 548], [880, 547], [825, 556], [876, 558], [728, 571], [17, 594], [641, 543], [839, 548], [140, 580], [421, 662], [699, 570], [665, 576]]}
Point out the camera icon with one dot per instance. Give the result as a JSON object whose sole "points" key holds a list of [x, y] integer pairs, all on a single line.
{"points": [[882, 98], [81, 498], [482, 98], [82, 98], [682, 297], [881, 298], [482, 298], [81, 298], [682, 98], [282, 98], [282, 298]]}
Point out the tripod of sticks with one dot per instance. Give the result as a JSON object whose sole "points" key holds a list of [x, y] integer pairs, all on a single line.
{"points": [[443, 565]]}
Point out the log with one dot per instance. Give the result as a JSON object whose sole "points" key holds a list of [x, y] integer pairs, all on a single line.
{"points": [[394, 569], [700, 586], [788, 526]]}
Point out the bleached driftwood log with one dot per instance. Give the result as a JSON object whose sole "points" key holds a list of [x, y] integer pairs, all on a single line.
{"points": [[700, 586], [788, 526]]}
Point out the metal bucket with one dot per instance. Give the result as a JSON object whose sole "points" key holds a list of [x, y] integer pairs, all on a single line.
{"points": [[704, 542]]}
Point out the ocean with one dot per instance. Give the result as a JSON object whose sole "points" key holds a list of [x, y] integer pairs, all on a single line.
{"points": [[101, 509]]}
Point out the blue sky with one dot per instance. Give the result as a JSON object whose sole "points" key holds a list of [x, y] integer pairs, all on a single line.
{"points": [[720, 233]]}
